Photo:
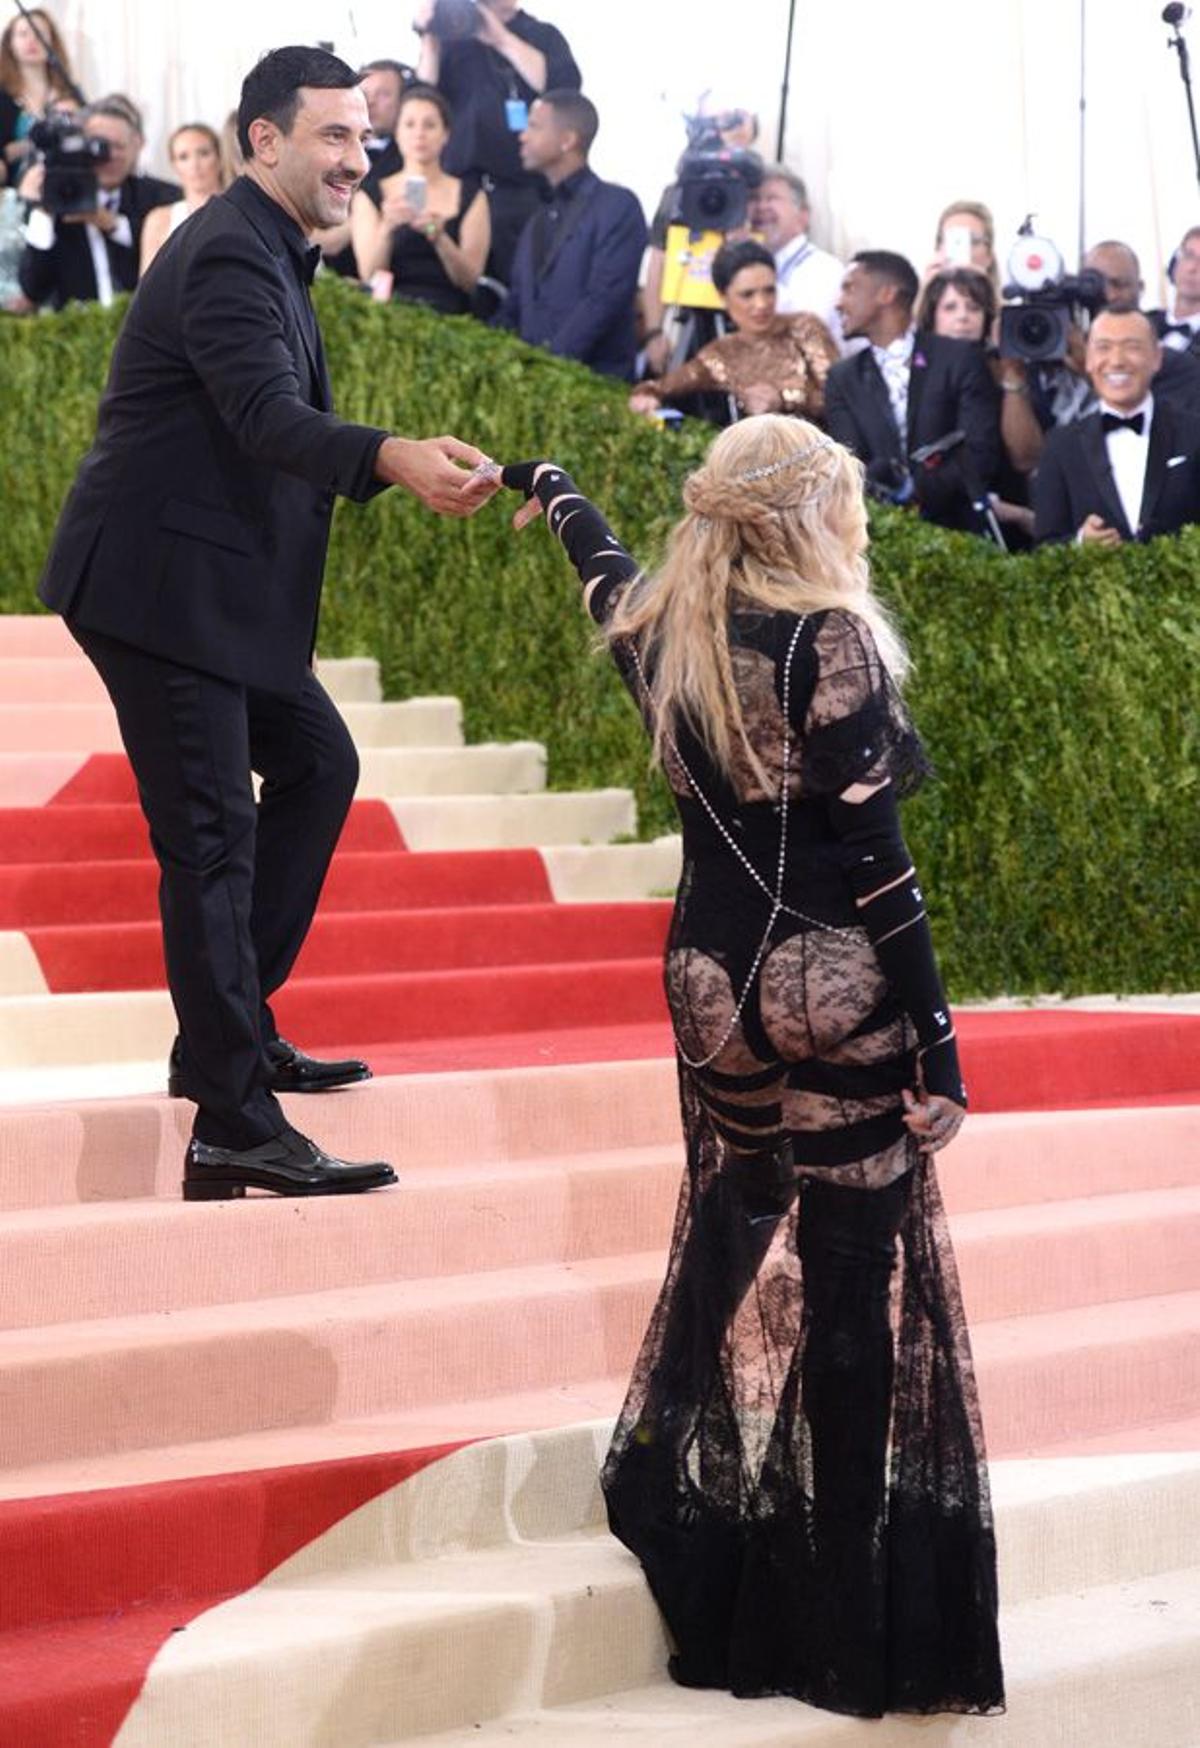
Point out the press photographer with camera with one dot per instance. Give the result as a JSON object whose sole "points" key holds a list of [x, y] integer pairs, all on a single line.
{"points": [[490, 60], [773, 363], [35, 76], [84, 234], [1130, 470], [714, 135], [921, 412]]}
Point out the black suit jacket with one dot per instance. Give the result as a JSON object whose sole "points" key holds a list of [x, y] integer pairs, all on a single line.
{"points": [[65, 273], [950, 389], [197, 524], [1074, 479]]}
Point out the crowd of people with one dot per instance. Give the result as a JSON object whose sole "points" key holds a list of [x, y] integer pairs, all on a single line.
{"points": [[479, 198]]}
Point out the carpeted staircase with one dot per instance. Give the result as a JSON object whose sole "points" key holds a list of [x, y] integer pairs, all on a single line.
{"points": [[322, 1475]]}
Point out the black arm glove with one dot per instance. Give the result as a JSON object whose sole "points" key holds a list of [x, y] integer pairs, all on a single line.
{"points": [[897, 927], [586, 537]]}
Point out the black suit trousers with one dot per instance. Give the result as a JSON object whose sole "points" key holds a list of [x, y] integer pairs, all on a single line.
{"points": [[239, 879]]}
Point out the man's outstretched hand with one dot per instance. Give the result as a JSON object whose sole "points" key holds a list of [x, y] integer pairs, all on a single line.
{"points": [[450, 477]]}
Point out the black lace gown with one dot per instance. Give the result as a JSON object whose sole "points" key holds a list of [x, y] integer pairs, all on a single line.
{"points": [[799, 1463]]}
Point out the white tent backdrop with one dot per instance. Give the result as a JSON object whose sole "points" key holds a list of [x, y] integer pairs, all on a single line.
{"points": [[888, 121]]}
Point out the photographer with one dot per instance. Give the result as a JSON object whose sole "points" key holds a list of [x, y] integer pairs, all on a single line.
{"points": [[490, 60], [90, 255], [730, 130]]}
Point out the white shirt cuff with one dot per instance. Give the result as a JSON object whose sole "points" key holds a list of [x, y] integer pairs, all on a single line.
{"points": [[40, 230], [122, 232]]}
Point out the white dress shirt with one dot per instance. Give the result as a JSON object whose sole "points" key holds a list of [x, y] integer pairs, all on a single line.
{"points": [[1127, 455], [895, 367], [1180, 342], [808, 278]]}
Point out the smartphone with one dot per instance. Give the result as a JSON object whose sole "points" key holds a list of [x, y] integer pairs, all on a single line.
{"points": [[956, 242], [414, 192]]}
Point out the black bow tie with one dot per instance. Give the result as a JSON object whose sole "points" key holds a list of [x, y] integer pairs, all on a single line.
{"points": [[1178, 328], [1114, 422]]}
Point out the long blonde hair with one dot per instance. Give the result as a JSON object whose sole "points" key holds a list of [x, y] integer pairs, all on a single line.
{"points": [[776, 519]]}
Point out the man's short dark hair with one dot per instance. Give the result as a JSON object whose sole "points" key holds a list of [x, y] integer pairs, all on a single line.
{"points": [[271, 90], [730, 258], [576, 112], [892, 270]]}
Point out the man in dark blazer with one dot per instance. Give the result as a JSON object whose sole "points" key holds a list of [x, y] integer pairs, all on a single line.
{"points": [[1131, 469], [188, 563], [90, 257], [904, 391], [575, 272]]}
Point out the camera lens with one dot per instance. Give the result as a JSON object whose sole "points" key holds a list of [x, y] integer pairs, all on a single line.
{"points": [[1036, 330]]}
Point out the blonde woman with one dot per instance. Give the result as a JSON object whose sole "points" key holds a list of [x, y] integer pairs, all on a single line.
{"points": [[195, 153], [799, 1463]]}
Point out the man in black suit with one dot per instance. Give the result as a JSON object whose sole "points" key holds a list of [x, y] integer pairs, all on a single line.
{"points": [[1178, 375], [1178, 326], [89, 257], [575, 272], [188, 563], [1131, 469], [903, 392]]}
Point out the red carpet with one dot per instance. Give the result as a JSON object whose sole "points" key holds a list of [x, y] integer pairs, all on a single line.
{"points": [[105, 831], [95, 1582]]}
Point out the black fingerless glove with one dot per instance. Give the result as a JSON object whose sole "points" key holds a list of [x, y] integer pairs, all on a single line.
{"points": [[598, 556]]}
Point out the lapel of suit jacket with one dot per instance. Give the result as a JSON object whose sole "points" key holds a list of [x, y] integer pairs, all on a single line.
{"points": [[916, 389], [879, 401], [1157, 456], [1095, 454], [302, 309]]}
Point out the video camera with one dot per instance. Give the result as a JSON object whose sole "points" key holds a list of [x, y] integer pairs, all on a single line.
{"points": [[715, 182], [1043, 301], [454, 20], [70, 156]]}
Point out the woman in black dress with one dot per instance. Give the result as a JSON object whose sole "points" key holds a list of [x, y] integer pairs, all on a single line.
{"points": [[799, 1463], [431, 231]]}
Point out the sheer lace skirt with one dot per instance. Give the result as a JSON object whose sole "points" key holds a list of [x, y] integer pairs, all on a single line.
{"points": [[799, 1464]]}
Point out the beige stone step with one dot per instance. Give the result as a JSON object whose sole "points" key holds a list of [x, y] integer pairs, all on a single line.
{"points": [[582, 873], [490, 768], [471, 822], [350, 679], [91, 727]]}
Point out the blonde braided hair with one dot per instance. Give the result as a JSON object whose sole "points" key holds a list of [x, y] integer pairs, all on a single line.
{"points": [[776, 517]]}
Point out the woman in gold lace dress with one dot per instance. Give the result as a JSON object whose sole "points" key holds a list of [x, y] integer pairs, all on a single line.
{"points": [[771, 364]]}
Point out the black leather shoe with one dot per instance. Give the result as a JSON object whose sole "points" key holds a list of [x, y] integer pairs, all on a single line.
{"points": [[289, 1164], [291, 1070]]}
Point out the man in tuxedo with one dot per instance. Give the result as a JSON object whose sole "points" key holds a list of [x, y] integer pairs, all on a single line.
{"points": [[903, 392], [90, 257], [1178, 376], [1131, 469], [575, 272], [1178, 326], [188, 562]]}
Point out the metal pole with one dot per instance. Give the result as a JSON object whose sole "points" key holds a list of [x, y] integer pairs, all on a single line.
{"points": [[1082, 130], [787, 74]]}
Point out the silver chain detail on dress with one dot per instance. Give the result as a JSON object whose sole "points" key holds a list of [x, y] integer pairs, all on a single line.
{"points": [[776, 894]]}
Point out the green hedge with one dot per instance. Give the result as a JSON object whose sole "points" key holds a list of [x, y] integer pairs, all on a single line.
{"points": [[1058, 692]]}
